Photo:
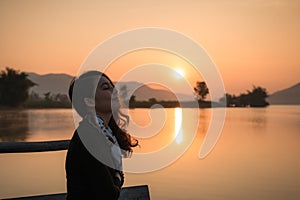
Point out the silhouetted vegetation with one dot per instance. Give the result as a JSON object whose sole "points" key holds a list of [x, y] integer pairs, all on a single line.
{"points": [[14, 87], [201, 90], [151, 102], [254, 98], [48, 101]]}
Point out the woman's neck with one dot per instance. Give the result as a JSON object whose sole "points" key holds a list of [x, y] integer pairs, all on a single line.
{"points": [[105, 117]]}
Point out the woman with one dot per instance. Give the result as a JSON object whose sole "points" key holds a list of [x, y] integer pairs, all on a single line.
{"points": [[93, 162]]}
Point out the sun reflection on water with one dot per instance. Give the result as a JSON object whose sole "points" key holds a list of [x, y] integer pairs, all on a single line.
{"points": [[178, 125]]}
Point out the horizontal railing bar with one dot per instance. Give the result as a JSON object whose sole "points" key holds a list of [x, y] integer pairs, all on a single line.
{"points": [[140, 192], [27, 147]]}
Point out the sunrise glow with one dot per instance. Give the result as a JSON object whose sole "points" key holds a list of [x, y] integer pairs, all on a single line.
{"points": [[38, 38], [179, 73]]}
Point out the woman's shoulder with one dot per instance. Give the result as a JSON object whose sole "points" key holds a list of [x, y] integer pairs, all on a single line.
{"points": [[75, 143], [77, 151]]}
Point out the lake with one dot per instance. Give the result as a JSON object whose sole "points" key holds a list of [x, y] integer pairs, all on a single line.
{"points": [[256, 157]]}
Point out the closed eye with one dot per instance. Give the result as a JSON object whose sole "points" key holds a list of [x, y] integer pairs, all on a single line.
{"points": [[105, 86]]}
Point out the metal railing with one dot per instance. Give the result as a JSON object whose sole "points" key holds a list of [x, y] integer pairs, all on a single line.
{"points": [[140, 192], [27, 147]]}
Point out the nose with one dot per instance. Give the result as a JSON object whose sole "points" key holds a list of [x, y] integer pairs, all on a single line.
{"points": [[115, 93]]}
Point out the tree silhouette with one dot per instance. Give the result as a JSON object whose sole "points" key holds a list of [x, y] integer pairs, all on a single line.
{"points": [[257, 97], [201, 90], [254, 98], [14, 86], [47, 96], [152, 100], [132, 102], [33, 96], [228, 99], [132, 99]]}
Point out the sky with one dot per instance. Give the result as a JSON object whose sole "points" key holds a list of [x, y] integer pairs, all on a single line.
{"points": [[252, 42]]}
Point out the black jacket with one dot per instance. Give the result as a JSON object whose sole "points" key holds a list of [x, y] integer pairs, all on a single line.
{"points": [[88, 178]]}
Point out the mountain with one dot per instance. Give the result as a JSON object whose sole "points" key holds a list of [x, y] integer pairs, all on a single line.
{"points": [[59, 83], [54, 83], [289, 96], [145, 92]]}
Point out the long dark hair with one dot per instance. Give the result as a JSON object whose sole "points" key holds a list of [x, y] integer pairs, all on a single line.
{"points": [[86, 87]]}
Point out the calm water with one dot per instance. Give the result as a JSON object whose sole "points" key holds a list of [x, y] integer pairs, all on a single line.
{"points": [[256, 157]]}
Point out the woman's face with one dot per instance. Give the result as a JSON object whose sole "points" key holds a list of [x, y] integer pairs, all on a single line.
{"points": [[106, 98]]}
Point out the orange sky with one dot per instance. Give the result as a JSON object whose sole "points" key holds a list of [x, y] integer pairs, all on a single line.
{"points": [[251, 41]]}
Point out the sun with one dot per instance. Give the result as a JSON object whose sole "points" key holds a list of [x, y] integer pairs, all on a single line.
{"points": [[179, 73]]}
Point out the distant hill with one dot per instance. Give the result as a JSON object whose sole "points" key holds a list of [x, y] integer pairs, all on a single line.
{"points": [[289, 96], [54, 83], [59, 83], [144, 93]]}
